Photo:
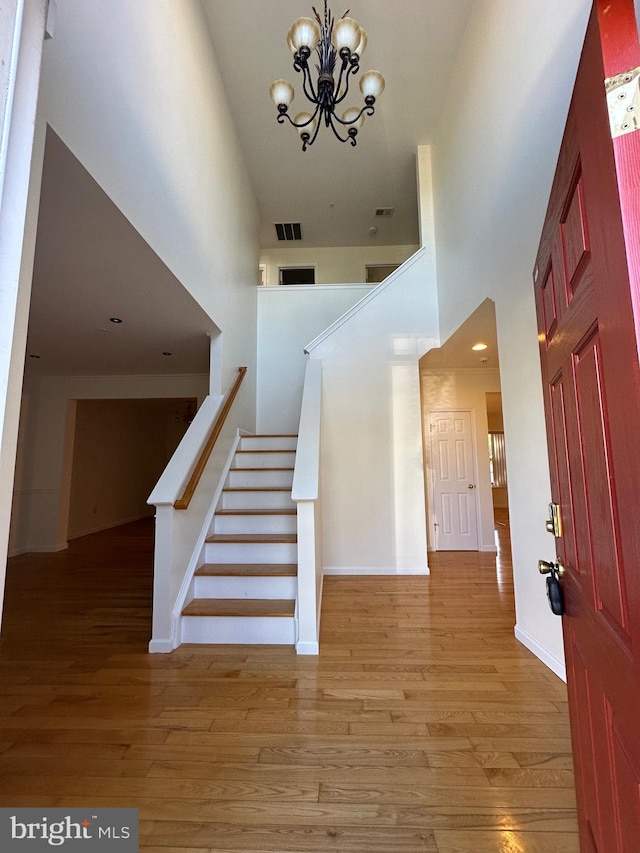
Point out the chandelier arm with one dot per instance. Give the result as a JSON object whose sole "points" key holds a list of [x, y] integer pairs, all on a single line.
{"points": [[355, 119], [307, 84], [313, 138], [351, 68], [341, 79], [309, 91], [282, 116], [335, 130]]}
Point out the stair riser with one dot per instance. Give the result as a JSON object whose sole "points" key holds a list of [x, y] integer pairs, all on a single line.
{"points": [[246, 587], [238, 629], [262, 459], [263, 464], [260, 479], [255, 524], [251, 552], [268, 442], [248, 499]]}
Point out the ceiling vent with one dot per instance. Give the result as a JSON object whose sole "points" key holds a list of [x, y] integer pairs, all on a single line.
{"points": [[289, 231], [384, 211]]}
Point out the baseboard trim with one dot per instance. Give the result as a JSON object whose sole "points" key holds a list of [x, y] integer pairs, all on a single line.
{"points": [[555, 664], [375, 570], [307, 648], [53, 549], [110, 525], [161, 647]]}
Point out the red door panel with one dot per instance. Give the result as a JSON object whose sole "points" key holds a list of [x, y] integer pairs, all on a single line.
{"points": [[609, 592], [587, 283], [574, 237]]}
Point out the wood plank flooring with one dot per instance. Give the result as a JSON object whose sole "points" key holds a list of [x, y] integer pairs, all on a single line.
{"points": [[422, 726]]}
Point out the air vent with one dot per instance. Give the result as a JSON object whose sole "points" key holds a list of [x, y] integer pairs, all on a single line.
{"points": [[289, 231], [384, 211]]}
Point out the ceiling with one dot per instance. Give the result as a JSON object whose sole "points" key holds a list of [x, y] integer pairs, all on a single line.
{"points": [[457, 351], [333, 189], [92, 265]]}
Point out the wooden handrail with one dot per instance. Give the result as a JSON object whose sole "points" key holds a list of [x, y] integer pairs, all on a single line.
{"points": [[185, 500]]}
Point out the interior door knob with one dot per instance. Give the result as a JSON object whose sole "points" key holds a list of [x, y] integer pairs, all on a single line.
{"points": [[551, 568], [554, 572], [471, 486]]}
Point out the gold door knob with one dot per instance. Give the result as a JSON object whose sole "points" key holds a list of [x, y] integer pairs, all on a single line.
{"points": [[546, 568]]}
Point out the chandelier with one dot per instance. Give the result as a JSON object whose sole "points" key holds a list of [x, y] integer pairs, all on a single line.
{"points": [[336, 43]]}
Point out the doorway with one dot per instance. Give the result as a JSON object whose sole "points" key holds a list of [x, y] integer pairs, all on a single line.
{"points": [[120, 448], [457, 378]]}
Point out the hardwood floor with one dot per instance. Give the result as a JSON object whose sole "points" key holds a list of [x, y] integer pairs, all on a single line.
{"points": [[422, 726]]}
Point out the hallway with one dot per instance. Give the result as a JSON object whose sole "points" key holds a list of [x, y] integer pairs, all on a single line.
{"points": [[422, 726]]}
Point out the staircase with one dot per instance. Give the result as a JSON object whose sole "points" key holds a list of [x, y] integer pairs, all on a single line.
{"points": [[245, 591]]}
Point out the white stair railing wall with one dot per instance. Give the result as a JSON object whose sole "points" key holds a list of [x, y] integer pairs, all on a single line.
{"points": [[180, 533], [306, 492]]}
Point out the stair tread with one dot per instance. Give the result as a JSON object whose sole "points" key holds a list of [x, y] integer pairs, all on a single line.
{"points": [[262, 468], [252, 537], [270, 435], [256, 488], [239, 607], [262, 511], [248, 570], [266, 450]]}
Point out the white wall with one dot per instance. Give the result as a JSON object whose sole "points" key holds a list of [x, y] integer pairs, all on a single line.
{"points": [[444, 390], [487, 236], [45, 450], [372, 465], [21, 47], [133, 89], [288, 318], [335, 264]]}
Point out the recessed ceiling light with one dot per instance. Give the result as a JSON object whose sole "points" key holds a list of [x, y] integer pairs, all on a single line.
{"points": [[115, 319], [479, 347]]}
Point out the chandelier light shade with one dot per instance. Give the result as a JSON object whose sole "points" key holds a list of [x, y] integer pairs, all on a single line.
{"points": [[339, 46], [282, 92], [304, 33]]}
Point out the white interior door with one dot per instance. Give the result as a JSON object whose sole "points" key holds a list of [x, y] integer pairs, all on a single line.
{"points": [[454, 485]]}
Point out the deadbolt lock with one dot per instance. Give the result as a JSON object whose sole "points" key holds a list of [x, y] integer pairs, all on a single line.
{"points": [[553, 523]]}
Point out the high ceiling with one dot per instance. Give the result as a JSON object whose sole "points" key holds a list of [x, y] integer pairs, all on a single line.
{"points": [[92, 265], [333, 189]]}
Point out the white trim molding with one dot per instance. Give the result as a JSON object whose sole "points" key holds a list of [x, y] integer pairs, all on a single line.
{"points": [[555, 665], [375, 570]]}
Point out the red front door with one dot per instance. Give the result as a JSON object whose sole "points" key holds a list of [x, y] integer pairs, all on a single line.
{"points": [[585, 278]]}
